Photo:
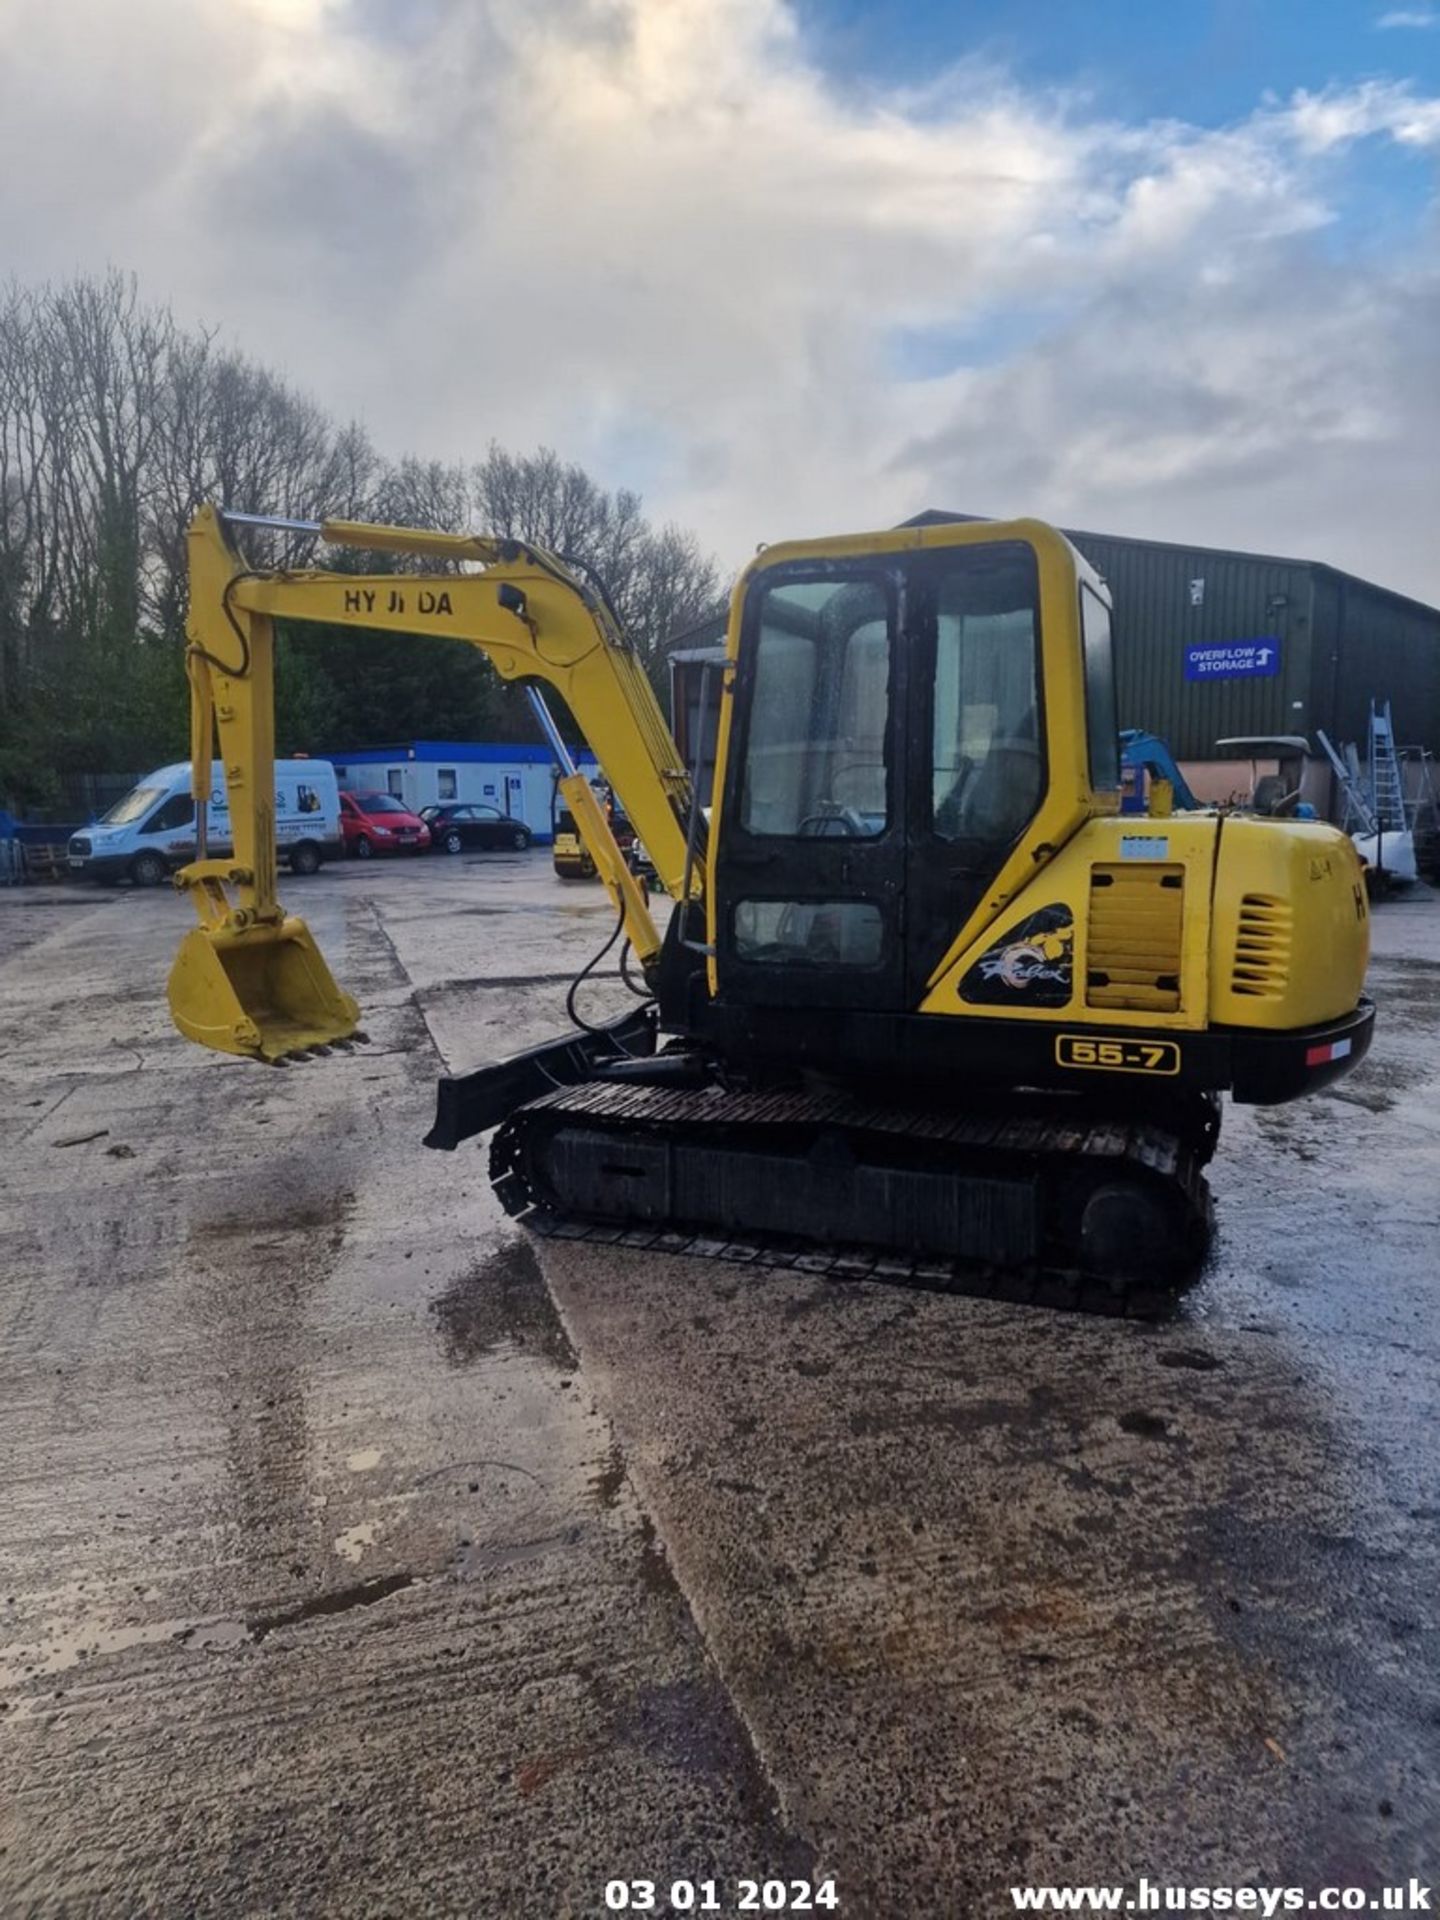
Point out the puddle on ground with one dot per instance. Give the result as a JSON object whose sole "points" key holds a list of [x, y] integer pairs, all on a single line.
{"points": [[1406, 992], [488, 982], [691, 1725], [503, 1305], [84, 1646], [338, 1600], [655, 1572], [607, 1481], [307, 1214], [480, 1557], [68, 1648], [217, 1634], [351, 1544]]}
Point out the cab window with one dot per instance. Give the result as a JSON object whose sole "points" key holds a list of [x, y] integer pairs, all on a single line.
{"points": [[817, 755], [1102, 723], [987, 774]]}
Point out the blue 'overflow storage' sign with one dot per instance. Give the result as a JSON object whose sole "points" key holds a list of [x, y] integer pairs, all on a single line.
{"points": [[1233, 659]]}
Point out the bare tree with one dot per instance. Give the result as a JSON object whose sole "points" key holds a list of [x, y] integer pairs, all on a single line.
{"points": [[236, 435], [107, 357], [35, 426], [657, 580], [424, 493], [116, 423]]}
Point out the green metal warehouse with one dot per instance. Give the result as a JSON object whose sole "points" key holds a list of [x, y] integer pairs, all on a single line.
{"points": [[1341, 642], [1338, 641]]}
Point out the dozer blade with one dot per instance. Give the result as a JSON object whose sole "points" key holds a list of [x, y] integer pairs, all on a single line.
{"points": [[263, 991], [474, 1102]]}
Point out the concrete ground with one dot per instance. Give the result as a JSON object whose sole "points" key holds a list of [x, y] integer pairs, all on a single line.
{"points": [[359, 1555]]}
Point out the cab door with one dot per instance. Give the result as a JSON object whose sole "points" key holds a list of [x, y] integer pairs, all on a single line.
{"points": [[978, 763], [810, 868]]}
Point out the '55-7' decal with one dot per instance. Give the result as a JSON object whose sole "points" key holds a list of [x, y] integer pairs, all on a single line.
{"points": [[1117, 1056]]}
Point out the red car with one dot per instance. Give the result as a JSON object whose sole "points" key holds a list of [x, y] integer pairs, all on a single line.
{"points": [[379, 823]]}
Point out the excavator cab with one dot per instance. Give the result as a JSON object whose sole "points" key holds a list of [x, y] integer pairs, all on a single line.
{"points": [[887, 752]]}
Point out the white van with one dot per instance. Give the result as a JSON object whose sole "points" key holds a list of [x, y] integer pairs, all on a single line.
{"points": [[151, 832]]}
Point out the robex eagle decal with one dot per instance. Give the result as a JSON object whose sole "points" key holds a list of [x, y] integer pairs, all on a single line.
{"points": [[1031, 967]]}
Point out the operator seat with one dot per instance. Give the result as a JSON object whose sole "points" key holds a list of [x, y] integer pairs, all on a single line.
{"points": [[1002, 795], [992, 802]]}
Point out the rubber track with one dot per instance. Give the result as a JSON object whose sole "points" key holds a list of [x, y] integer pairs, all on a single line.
{"points": [[1144, 1149]]}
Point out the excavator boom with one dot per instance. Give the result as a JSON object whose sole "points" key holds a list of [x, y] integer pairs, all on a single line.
{"points": [[250, 979]]}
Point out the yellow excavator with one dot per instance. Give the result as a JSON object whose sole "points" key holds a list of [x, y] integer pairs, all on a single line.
{"points": [[927, 1003]]}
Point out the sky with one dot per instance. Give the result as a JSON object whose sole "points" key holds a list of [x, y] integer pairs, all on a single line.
{"points": [[793, 267]]}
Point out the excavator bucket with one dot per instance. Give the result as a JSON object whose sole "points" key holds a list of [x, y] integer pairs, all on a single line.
{"points": [[263, 991]]}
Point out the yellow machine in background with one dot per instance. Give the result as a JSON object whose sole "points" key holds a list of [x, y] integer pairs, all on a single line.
{"points": [[924, 987], [568, 855]]}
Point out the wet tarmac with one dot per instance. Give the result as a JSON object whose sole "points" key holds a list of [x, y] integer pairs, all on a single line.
{"points": [[359, 1555]]}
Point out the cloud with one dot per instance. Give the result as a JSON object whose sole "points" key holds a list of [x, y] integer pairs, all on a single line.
{"points": [[663, 240], [1408, 17], [1322, 122]]}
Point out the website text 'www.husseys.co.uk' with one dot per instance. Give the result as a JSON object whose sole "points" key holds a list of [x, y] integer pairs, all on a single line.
{"points": [[1146, 1896]]}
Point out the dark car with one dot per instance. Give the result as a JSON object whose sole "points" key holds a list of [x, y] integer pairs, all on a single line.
{"points": [[464, 824]]}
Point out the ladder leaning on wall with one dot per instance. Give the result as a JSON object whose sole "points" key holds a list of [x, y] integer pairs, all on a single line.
{"points": [[1359, 814], [1387, 789]]}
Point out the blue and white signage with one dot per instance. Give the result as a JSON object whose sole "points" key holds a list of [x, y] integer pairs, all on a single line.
{"points": [[1233, 659]]}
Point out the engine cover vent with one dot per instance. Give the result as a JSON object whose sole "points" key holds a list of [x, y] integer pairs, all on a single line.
{"points": [[1263, 933], [1133, 947]]}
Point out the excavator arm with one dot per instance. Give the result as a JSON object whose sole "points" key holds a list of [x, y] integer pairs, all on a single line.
{"points": [[250, 979]]}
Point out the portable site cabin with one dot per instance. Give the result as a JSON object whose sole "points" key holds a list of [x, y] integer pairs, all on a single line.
{"points": [[518, 779]]}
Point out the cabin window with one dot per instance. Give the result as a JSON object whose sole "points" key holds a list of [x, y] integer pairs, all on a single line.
{"points": [[1102, 723], [817, 755], [987, 771]]}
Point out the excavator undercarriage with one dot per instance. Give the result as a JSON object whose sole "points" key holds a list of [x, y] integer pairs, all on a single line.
{"points": [[1008, 1198], [1093, 1202]]}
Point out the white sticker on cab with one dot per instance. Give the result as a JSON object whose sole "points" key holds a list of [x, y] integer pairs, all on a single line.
{"points": [[1144, 846]]}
